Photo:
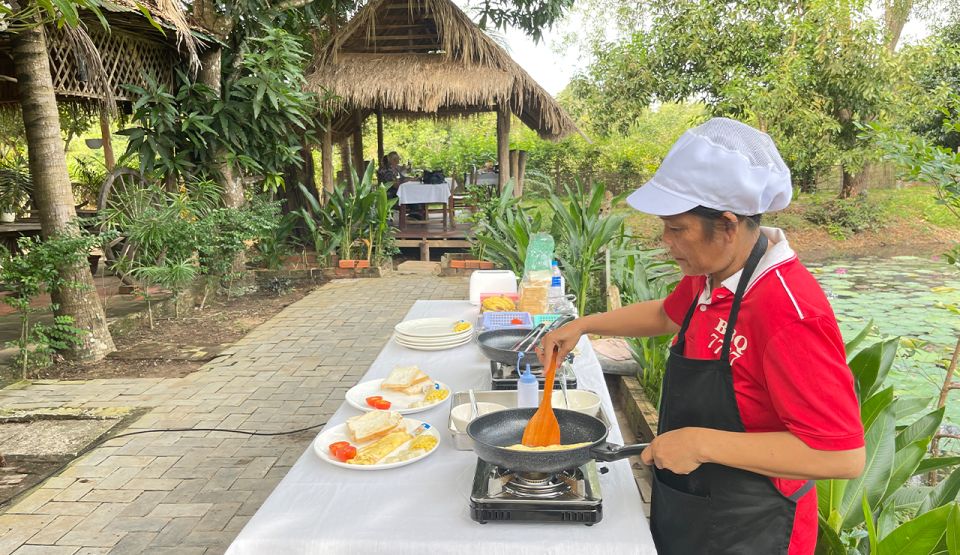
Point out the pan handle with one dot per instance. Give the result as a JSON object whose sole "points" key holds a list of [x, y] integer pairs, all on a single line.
{"points": [[607, 452]]}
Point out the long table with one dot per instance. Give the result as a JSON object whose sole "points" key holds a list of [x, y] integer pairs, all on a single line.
{"points": [[423, 508]]}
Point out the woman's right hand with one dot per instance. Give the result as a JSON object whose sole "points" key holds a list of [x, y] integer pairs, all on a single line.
{"points": [[564, 338]]}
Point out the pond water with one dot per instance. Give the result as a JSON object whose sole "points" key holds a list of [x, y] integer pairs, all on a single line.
{"points": [[904, 296]]}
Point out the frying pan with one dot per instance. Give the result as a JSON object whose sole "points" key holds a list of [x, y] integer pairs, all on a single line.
{"points": [[496, 345], [492, 433]]}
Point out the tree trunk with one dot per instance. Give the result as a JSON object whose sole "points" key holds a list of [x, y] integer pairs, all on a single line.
{"points": [[48, 166], [895, 16], [232, 194], [852, 183]]}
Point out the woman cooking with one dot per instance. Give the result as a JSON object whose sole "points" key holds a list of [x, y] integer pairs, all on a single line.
{"points": [[757, 399]]}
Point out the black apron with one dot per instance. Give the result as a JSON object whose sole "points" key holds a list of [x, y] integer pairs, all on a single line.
{"points": [[715, 508]]}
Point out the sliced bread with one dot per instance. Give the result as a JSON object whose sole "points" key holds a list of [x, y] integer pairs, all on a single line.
{"points": [[373, 425], [403, 377]]}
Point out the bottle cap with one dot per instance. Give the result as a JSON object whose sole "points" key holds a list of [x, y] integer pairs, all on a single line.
{"points": [[527, 377]]}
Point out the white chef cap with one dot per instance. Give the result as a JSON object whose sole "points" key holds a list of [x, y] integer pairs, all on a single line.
{"points": [[722, 164]]}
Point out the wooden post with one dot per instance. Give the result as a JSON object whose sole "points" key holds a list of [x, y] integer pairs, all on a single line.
{"points": [[326, 159], [108, 157], [503, 145], [346, 176], [514, 165], [358, 145], [521, 170], [380, 148]]}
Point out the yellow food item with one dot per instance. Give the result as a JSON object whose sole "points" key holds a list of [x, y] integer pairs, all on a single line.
{"points": [[423, 442], [522, 447], [436, 395], [462, 326], [498, 304], [371, 454]]}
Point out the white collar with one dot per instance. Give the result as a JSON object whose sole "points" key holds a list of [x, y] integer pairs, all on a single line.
{"points": [[778, 252]]}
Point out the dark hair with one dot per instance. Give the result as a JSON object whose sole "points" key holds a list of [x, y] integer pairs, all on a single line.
{"points": [[710, 218]]}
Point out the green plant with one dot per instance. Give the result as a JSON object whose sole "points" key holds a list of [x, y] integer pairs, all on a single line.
{"points": [[645, 275], [503, 231], [223, 233], [88, 174], [844, 216], [260, 120], [15, 182], [165, 232], [921, 160], [881, 511], [581, 225], [277, 242], [350, 216], [34, 269]]}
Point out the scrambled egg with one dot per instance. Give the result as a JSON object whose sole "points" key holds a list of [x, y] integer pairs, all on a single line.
{"points": [[522, 447]]}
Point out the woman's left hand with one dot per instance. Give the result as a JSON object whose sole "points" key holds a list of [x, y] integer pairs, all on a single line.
{"points": [[677, 451]]}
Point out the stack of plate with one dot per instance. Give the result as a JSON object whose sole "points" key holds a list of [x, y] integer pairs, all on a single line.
{"points": [[431, 334]]}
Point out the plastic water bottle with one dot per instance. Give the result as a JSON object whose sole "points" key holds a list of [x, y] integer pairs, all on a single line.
{"points": [[556, 294], [528, 390]]}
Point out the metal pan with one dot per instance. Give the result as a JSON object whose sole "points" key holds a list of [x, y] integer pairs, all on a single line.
{"points": [[492, 433], [496, 345]]}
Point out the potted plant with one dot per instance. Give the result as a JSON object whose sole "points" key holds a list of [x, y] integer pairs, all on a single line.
{"points": [[15, 186]]}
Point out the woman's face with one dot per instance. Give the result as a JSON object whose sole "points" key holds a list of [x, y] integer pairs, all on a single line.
{"points": [[696, 254]]}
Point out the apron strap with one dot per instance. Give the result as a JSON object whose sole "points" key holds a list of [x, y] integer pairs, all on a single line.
{"points": [[759, 248], [804, 489]]}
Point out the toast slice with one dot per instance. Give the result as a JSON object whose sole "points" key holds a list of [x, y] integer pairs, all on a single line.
{"points": [[373, 425], [418, 388], [403, 378]]}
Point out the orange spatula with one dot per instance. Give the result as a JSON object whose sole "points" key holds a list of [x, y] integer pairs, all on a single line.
{"points": [[543, 429]]}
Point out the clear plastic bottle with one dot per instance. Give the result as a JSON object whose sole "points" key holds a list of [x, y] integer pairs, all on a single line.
{"points": [[528, 390], [555, 296]]}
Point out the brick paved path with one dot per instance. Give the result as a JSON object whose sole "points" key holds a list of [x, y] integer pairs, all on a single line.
{"points": [[192, 492]]}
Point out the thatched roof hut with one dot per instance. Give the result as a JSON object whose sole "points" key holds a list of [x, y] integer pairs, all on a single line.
{"points": [[423, 58], [130, 51]]}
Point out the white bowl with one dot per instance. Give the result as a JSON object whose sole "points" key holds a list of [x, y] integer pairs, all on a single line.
{"points": [[463, 414], [581, 400]]}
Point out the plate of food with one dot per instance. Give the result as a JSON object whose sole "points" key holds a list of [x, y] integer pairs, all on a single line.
{"points": [[406, 390], [426, 328], [377, 440]]}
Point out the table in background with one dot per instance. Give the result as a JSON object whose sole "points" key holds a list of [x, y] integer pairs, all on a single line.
{"points": [[424, 507], [416, 192]]}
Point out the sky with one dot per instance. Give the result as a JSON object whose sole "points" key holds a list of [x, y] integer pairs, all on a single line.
{"points": [[552, 65]]}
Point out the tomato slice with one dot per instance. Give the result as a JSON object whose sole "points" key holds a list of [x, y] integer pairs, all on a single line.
{"points": [[371, 400], [516, 321], [346, 453], [381, 404], [334, 447]]}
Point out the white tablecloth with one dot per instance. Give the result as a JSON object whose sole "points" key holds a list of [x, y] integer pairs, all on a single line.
{"points": [[423, 508], [415, 192]]}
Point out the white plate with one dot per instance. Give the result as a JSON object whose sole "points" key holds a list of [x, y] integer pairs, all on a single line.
{"points": [[434, 341], [429, 327], [399, 402], [321, 446], [420, 347]]}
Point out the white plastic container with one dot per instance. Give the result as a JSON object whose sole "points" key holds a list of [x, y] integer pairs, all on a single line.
{"points": [[528, 390], [491, 281]]}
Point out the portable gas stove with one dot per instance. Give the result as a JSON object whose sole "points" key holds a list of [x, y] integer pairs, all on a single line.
{"points": [[505, 376], [504, 495]]}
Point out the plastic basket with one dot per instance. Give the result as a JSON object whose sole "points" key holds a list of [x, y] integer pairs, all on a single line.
{"points": [[545, 318], [504, 320]]}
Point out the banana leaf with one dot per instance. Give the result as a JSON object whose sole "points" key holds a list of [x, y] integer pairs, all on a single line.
{"points": [[920, 536]]}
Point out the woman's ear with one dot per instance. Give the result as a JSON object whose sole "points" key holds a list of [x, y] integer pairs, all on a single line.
{"points": [[730, 225]]}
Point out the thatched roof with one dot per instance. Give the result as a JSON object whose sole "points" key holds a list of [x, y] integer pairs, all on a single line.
{"points": [[88, 71], [427, 57]]}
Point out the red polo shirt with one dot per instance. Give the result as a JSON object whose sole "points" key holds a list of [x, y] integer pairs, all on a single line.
{"points": [[789, 366]]}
